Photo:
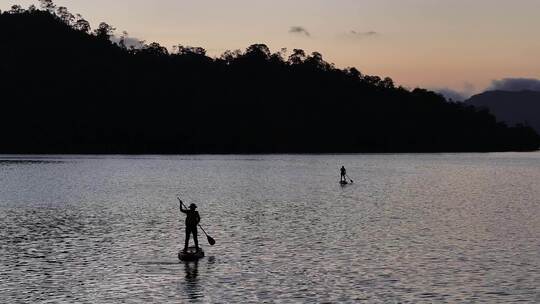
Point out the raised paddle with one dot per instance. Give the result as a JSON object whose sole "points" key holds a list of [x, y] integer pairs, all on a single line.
{"points": [[211, 240]]}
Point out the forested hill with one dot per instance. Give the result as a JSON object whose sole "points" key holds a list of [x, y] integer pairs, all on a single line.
{"points": [[66, 88], [512, 107]]}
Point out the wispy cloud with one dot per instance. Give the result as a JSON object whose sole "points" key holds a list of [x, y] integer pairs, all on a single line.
{"points": [[363, 34], [457, 95], [453, 95], [515, 84], [299, 30], [505, 84], [129, 41]]}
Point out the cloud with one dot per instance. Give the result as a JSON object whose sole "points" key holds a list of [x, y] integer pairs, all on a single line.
{"points": [[457, 95], [515, 84], [129, 41], [299, 30], [357, 34], [452, 94], [505, 84]]}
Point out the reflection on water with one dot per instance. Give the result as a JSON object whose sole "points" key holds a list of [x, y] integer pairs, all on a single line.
{"points": [[191, 286], [412, 228], [7, 162]]}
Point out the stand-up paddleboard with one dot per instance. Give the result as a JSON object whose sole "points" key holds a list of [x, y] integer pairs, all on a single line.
{"points": [[191, 254], [343, 183]]}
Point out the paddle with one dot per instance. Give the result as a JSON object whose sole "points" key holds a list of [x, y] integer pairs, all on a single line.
{"points": [[211, 240], [352, 182]]}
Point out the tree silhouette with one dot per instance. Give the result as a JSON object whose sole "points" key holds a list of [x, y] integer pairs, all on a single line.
{"points": [[258, 51], [47, 5], [189, 50], [82, 25], [16, 9], [104, 31], [63, 13], [154, 49], [297, 57]]}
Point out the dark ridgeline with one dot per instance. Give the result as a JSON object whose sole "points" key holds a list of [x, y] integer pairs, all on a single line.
{"points": [[67, 89], [511, 107]]}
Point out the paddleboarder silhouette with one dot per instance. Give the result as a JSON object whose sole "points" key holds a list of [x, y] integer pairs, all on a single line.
{"points": [[192, 220], [343, 174]]}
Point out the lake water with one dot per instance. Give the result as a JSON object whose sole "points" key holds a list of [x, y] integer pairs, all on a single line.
{"points": [[411, 229]]}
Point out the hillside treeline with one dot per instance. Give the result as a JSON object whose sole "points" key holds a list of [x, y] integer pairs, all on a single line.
{"points": [[67, 88]]}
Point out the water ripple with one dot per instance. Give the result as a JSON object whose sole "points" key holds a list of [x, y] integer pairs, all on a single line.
{"points": [[442, 228]]}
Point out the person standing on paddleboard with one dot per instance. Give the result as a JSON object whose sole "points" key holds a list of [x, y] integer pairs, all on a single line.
{"points": [[192, 220], [343, 174]]}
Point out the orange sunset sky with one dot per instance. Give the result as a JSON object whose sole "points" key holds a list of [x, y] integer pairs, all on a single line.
{"points": [[457, 44]]}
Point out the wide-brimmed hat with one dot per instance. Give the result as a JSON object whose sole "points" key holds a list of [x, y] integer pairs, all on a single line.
{"points": [[192, 206]]}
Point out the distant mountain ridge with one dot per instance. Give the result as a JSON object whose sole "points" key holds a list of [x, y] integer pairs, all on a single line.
{"points": [[512, 107]]}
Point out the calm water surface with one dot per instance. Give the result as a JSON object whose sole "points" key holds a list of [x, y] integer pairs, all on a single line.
{"points": [[412, 228]]}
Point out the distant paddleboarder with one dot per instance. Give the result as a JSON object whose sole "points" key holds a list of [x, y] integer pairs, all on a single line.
{"points": [[192, 220], [343, 174]]}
